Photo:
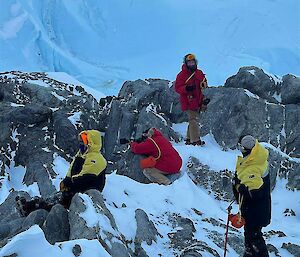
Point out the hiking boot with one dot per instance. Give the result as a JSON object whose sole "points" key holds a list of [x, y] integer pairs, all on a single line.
{"points": [[199, 142], [26, 207], [188, 142]]}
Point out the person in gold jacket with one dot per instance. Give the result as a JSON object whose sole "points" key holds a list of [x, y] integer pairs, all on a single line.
{"points": [[251, 187], [87, 171]]}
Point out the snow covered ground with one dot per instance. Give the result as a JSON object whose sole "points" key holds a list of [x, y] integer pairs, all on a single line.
{"points": [[156, 200], [103, 43]]}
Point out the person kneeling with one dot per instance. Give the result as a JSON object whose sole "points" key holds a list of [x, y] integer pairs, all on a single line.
{"points": [[162, 157]]}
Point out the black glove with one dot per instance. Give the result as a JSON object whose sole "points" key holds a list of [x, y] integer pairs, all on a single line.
{"points": [[243, 190], [235, 181], [190, 88], [124, 141], [67, 182], [141, 139]]}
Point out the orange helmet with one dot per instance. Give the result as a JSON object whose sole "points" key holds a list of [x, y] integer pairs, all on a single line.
{"points": [[84, 137]]}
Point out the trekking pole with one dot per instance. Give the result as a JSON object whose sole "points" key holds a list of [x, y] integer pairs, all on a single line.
{"points": [[227, 225]]}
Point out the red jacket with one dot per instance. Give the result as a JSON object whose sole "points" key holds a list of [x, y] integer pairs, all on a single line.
{"points": [[170, 161], [189, 100]]}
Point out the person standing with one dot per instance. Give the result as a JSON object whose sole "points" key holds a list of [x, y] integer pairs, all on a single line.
{"points": [[189, 85], [251, 187]]}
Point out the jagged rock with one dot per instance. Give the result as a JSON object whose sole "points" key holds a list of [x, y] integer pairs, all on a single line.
{"points": [[292, 130], [29, 114], [56, 226], [183, 236], [292, 248], [256, 81], [104, 229], [139, 106], [40, 95], [290, 91], [66, 134], [36, 217], [146, 232], [273, 249], [216, 183], [240, 114]]}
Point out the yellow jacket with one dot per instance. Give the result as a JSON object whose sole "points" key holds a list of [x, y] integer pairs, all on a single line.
{"points": [[94, 162], [250, 170]]}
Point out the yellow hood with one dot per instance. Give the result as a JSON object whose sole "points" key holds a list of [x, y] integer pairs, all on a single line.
{"points": [[94, 140], [251, 169]]}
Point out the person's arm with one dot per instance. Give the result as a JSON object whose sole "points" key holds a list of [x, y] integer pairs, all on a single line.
{"points": [[93, 164], [145, 147], [180, 85]]}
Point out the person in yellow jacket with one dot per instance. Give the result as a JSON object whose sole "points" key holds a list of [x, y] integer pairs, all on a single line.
{"points": [[87, 171], [251, 187]]}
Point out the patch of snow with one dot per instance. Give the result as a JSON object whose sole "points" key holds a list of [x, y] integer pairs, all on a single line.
{"points": [[16, 105], [39, 83], [250, 94], [75, 118], [32, 242], [252, 72], [61, 98], [277, 97], [60, 167]]}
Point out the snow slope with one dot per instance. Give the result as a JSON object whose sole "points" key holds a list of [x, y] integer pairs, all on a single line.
{"points": [[102, 43], [156, 200]]}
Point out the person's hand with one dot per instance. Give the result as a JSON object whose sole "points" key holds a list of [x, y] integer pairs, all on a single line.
{"points": [[67, 182], [235, 181], [190, 88], [62, 186], [243, 190], [124, 141]]}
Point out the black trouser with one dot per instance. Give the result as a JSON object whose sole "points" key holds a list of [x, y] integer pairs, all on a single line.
{"points": [[255, 245], [80, 184]]}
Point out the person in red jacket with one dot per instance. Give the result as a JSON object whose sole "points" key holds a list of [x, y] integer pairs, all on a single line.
{"points": [[189, 84], [156, 145]]}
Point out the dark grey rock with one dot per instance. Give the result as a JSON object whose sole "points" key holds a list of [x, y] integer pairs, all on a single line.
{"points": [[256, 81], [146, 231], [240, 114], [65, 132], [36, 217], [56, 227], [10, 229], [29, 114], [292, 248], [76, 250], [290, 91], [139, 106], [183, 235], [40, 95], [216, 183], [292, 130], [107, 233]]}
